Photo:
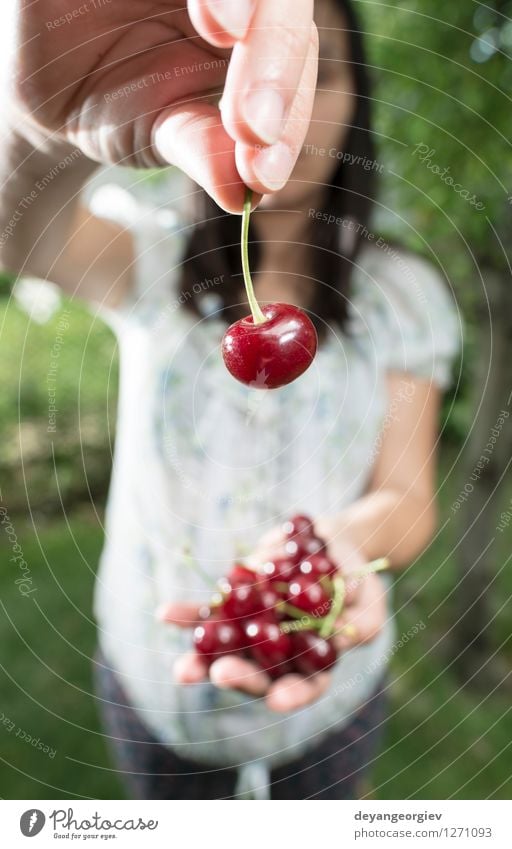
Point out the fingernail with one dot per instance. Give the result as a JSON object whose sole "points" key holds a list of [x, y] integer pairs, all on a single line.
{"points": [[273, 166], [264, 112], [233, 15]]}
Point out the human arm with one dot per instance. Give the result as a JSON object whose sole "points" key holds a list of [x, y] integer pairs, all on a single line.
{"points": [[396, 517]]}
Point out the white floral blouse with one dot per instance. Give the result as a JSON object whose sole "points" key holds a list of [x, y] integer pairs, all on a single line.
{"points": [[204, 463]]}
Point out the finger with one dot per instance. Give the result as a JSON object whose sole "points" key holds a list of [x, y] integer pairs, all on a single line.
{"points": [[221, 22], [183, 614], [190, 668], [273, 538], [352, 589], [236, 673], [347, 557], [346, 636], [266, 70], [191, 136], [264, 554], [361, 622], [292, 692], [271, 545]]}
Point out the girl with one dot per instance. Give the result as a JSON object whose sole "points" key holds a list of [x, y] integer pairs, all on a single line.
{"points": [[201, 462]]}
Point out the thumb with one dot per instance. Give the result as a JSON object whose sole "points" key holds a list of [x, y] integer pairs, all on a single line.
{"points": [[192, 137]]}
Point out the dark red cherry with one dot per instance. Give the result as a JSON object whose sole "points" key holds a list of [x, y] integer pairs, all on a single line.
{"points": [[300, 548], [317, 565], [240, 601], [272, 353], [308, 595], [214, 638], [279, 569], [313, 545], [267, 645], [271, 597], [311, 653], [294, 552], [298, 526]]}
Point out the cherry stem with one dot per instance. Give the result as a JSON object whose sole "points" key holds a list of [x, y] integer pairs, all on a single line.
{"points": [[257, 314], [305, 623], [379, 565], [297, 613], [338, 599]]}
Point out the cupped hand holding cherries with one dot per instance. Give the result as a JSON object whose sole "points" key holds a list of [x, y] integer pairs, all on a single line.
{"points": [[276, 626], [278, 341]]}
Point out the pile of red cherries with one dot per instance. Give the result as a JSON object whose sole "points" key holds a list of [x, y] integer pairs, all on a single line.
{"points": [[280, 614]]}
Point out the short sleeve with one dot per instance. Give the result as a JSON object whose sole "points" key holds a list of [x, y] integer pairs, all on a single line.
{"points": [[409, 312], [150, 210]]}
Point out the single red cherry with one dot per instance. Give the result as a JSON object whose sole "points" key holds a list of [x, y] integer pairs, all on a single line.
{"points": [[272, 353], [214, 638], [273, 345], [240, 574], [298, 525], [279, 569], [311, 653], [268, 646], [308, 595], [301, 548], [271, 597], [240, 601], [317, 565]]}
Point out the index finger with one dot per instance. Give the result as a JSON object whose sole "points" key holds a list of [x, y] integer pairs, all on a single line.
{"points": [[266, 69], [184, 614], [293, 691], [362, 621]]}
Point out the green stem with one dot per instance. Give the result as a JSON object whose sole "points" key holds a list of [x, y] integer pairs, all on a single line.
{"points": [[338, 599], [257, 314], [297, 613], [379, 565], [306, 623]]}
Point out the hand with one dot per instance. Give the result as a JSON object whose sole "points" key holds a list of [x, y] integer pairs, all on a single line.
{"points": [[361, 620], [365, 610], [138, 83]]}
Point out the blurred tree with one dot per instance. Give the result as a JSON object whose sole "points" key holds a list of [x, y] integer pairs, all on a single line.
{"points": [[444, 73]]}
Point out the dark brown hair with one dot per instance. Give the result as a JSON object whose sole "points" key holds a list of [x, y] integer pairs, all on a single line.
{"points": [[213, 249]]}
